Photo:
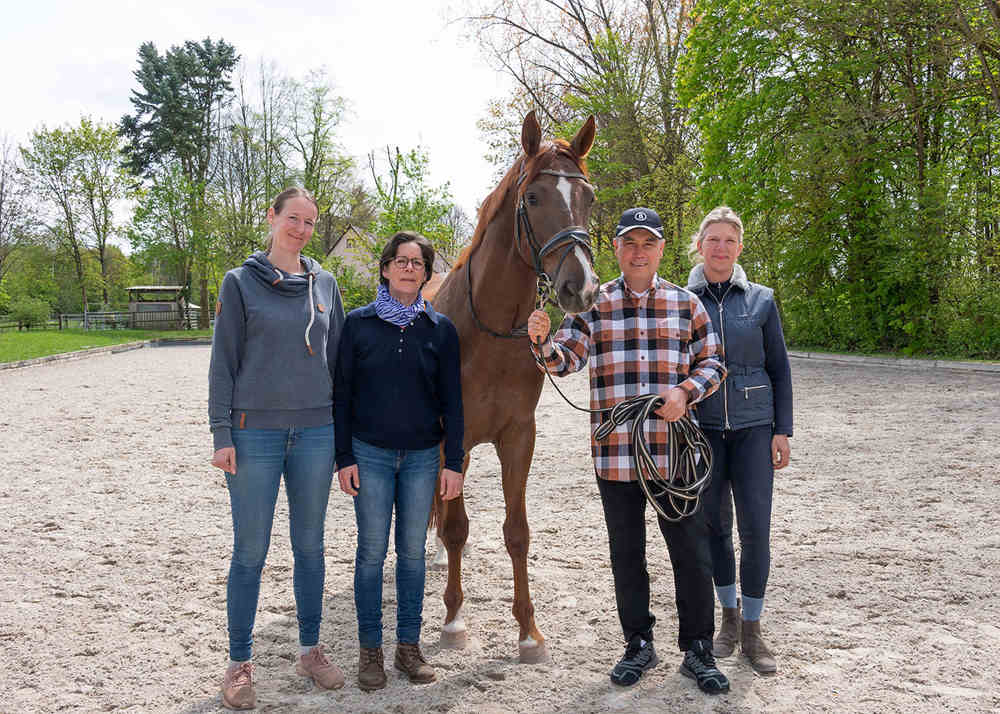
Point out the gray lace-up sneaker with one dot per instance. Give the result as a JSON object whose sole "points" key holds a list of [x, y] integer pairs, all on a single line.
{"points": [[639, 656], [699, 665]]}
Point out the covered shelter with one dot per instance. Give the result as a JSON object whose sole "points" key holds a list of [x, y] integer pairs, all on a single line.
{"points": [[158, 307]]}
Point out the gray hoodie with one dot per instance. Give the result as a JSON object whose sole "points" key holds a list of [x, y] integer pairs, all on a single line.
{"points": [[274, 349]]}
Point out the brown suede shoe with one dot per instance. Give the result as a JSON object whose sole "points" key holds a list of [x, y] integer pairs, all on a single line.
{"points": [[756, 649], [237, 687], [728, 635], [324, 673], [410, 661], [371, 669]]}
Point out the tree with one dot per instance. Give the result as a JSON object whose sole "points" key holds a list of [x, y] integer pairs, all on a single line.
{"points": [[102, 183], [406, 201], [178, 106], [615, 59], [851, 138], [52, 166], [13, 207]]}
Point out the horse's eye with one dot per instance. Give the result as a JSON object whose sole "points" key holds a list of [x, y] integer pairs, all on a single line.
{"points": [[532, 199]]}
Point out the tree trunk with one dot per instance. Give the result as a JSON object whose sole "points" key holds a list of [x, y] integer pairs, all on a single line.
{"points": [[203, 311]]}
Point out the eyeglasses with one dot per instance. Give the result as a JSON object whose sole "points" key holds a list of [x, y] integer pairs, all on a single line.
{"points": [[402, 263]]}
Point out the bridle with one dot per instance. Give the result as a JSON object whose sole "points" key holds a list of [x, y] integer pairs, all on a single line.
{"points": [[570, 237]]}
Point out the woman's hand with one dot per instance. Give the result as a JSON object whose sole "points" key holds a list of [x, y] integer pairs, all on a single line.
{"points": [[538, 330], [225, 459], [451, 484], [780, 451], [350, 482]]}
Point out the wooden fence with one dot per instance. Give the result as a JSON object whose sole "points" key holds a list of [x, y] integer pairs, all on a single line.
{"points": [[115, 320]]}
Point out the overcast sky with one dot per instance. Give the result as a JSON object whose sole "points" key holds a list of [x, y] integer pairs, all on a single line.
{"points": [[408, 75]]}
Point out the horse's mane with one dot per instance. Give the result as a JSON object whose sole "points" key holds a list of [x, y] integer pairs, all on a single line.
{"points": [[546, 155]]}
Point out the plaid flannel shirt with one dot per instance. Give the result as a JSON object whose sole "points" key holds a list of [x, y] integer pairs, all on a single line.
{"points": [[638, 345]]}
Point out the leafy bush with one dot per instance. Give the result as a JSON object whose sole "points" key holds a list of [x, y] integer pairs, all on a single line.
{"points": [[356, 290], [30, 312]]}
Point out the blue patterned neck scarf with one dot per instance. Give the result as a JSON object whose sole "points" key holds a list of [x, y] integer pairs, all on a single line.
{"points": [[393, 311]]}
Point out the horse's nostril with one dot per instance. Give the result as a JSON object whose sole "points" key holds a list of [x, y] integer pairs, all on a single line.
{"points": [[571, 287]]}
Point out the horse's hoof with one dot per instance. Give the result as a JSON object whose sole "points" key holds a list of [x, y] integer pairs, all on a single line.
{"points": [[454, 639], [531, 652]]}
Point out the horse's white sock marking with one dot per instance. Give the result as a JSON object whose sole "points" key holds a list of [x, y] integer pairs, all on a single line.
{"points": [[456, 625], [528, 642], [441, 556]]}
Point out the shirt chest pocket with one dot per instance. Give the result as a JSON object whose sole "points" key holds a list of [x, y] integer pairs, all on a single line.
{"points": [[674, 330]]}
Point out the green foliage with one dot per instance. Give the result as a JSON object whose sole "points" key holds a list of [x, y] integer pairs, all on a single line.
{"points": [[30, 312], [356, 290], [843, 134], [407, 202]]}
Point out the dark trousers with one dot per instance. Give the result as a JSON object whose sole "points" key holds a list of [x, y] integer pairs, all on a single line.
{"points": [[625, 515], [741, 462]]}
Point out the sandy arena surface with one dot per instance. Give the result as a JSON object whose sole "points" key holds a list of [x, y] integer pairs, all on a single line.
{"points": [[882, 597]]}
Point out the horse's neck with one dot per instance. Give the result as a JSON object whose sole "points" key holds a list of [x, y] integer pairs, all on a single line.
{"points": [[503, 285]]}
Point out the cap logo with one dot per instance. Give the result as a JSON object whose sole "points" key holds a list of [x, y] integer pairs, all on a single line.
{"points": [[640, 216]]}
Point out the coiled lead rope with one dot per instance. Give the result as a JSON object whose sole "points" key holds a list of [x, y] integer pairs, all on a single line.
{"points": [[689, 455]]}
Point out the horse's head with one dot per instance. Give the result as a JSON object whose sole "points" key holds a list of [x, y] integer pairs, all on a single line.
{"points": [[553, 201]]}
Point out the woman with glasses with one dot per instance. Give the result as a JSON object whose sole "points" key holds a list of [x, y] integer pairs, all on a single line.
{"points": [[397, 396]]}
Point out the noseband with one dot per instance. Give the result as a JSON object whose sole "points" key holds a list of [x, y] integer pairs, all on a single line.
{"points": [[570, 237]]}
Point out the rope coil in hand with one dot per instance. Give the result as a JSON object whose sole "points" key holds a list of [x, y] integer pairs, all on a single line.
{"points": [[689, 455]]}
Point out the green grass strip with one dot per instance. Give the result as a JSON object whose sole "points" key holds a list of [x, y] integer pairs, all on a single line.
{"points": [[16, 346]]}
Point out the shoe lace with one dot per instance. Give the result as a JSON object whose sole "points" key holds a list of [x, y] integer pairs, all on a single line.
{"points": [[242, 676], [319, 656], [706, 656]]}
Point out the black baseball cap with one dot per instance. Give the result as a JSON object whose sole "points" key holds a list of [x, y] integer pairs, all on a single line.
{"points": [[639, 218]]}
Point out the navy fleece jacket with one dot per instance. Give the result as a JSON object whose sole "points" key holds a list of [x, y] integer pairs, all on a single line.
{"points": [[262, 374], [399, 388]]}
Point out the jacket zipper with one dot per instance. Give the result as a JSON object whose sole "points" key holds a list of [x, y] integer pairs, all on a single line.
{"points": [[722, 334], [747, 390]]}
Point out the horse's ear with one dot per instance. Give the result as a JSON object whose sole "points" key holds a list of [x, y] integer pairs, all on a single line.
{"points": [[531, 134], [584, 139]]}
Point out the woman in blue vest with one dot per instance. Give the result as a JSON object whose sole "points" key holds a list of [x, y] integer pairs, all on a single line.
{"points": [[398, 395], [748, 422]]}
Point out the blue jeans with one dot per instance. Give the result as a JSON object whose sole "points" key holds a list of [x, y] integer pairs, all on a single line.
{"points": [[305, 456], [405, 480]]}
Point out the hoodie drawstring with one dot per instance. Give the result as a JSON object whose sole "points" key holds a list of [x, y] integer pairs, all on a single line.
{"points": [[312, 308], [312, 315]]}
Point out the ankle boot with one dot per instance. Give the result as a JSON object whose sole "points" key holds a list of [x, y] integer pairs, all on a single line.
{"points": [[371, 669], [756, 649], [729, 632], [410, 661]]}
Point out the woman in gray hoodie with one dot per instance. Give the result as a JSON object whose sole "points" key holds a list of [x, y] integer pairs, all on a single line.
{"points": [[270, 405]]}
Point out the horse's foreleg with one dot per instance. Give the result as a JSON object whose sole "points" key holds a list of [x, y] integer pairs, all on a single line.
{"points": [[515, 449], [454, 531]]}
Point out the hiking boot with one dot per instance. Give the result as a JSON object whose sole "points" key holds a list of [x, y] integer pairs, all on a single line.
{"points": [[728, 635], [699, 665], [324, 673], [756, 649], [371, 669], [410, 661], [639, 656], [237, 687]]}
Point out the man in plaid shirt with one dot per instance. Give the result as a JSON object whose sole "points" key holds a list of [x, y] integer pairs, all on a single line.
{"points": [[645, 335]]}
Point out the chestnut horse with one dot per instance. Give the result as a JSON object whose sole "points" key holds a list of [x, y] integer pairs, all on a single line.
{"points": [[531, 231]]}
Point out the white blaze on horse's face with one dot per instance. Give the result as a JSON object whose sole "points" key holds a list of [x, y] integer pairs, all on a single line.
{"points": [[592, 284], [565, 189]]}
